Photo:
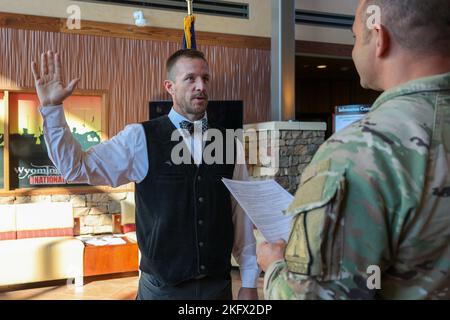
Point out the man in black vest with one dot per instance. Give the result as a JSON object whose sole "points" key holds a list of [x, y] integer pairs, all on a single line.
{"points": [[187, 223]]}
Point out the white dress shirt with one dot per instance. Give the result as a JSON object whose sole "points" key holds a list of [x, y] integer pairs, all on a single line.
{"points": [[124, 159]]}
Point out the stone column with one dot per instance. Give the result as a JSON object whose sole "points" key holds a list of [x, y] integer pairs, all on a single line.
{"points": [[292, 144]]}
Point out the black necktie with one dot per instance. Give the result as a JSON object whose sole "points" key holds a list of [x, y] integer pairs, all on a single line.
{"points": [[189, 126]]}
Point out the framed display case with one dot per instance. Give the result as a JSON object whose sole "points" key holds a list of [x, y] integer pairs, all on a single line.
{"points": [[24, 156]]}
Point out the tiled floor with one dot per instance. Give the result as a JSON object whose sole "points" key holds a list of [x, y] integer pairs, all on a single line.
{"points": [[121, 287]]}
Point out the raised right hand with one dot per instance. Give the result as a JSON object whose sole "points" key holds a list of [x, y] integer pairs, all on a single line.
{"points": [[48, 82]]}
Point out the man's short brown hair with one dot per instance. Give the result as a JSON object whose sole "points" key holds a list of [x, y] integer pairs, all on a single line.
{"points": [[183, 53], [418, 25]]}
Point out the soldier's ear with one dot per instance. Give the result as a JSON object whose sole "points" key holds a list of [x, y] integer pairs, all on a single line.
{"points": [[383, 41]]}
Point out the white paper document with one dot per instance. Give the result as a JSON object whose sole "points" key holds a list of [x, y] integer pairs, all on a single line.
{"points": [[264, 202], [101, 240]]}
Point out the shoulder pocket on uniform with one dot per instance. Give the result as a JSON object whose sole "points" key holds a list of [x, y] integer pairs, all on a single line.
{"points": [[316, 242]]}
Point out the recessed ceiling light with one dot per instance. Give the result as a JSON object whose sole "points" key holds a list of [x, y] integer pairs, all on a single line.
{"points": [[323, 66]]}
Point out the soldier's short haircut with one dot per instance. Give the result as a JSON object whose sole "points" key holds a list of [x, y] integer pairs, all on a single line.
{"points": [[183, 53], [419, 25]]}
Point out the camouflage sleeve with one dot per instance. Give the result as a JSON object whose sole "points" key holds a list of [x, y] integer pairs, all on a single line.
{"points": [[354, 201], [280, 284], [327, 254]]}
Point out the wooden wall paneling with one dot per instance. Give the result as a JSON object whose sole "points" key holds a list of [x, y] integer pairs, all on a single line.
{"points": [[132, 71], [29, 22], [165, 34], [241, 74], [323, 49], [127, 68], [107, 29], [6, 143]]}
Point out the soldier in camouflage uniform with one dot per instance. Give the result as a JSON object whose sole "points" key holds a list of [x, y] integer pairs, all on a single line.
{"points": [[376, 196]]}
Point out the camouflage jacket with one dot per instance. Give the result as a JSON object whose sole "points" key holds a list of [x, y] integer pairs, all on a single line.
{"points": [[372, 213]]}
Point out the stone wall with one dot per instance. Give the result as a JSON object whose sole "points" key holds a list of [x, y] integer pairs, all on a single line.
{"points": [[94, 210], [296, 142], [297, 149]]}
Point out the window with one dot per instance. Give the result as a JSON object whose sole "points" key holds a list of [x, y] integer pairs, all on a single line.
{"points": [[324, 19], [28, 163]]}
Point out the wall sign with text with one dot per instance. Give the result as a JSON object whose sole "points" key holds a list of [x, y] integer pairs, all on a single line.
{"points": [[346, 115], [30, 165]]}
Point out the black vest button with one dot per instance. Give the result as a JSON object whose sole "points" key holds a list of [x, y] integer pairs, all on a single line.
{"points": [[201, 244], [199, 178], [202, 267], [201, 199], [200, 222]]}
